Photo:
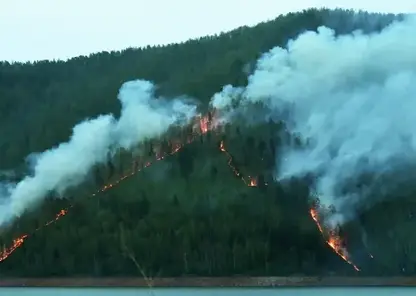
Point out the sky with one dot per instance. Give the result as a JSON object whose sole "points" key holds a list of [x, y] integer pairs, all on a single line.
{"points": [[60, 29]]}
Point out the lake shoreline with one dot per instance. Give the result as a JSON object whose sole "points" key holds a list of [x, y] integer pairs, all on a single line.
{"points": [[212, 282]]}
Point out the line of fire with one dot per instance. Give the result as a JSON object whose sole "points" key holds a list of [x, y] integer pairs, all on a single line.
{"points": [[201, 125]]}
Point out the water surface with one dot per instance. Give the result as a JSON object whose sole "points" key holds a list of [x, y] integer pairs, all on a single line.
{"points": [[207, 292]]}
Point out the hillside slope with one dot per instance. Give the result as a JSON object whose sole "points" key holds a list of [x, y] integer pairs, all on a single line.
{"points": [[188, 214]]}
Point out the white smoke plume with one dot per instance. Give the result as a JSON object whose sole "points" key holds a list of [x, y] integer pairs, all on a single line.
{"points": [[142, 117], [351, 99]]}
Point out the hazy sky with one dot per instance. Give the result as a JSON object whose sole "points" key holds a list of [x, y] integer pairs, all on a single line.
{"points": [[60, 29]]}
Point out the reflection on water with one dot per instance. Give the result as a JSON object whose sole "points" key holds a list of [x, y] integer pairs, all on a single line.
{"points": [[207, 292]]}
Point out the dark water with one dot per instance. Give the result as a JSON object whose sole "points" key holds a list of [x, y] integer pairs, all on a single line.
{"points": [[206, 292]]}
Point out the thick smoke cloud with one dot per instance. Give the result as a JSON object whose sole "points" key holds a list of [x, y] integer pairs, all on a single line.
{"points": [[351, 99], [142, 117]]}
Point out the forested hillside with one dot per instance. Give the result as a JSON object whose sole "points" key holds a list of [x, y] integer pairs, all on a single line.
{"points": [[190, 213]]}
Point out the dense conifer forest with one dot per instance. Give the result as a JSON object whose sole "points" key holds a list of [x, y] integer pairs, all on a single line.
{"points": [[189, 214]]}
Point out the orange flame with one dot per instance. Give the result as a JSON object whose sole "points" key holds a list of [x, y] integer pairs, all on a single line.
{"points": [[334, 240], [18, 242], [250, 181], [204, 126]]}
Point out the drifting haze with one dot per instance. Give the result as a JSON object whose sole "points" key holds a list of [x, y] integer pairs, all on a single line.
{"points": [[351, 100], [92, 141]]}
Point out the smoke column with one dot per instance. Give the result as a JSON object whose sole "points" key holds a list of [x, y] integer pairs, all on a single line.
{"points": [[142, 117], [352, 100]]}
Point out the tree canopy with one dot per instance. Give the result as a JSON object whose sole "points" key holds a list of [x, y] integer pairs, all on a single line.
{"points": [[188, 214]]}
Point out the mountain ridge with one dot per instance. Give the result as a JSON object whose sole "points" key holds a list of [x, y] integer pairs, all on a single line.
{"points": [[176, 206]]}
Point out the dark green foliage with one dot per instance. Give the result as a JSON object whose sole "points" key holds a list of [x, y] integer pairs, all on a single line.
{"points": [[188, 214]]}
